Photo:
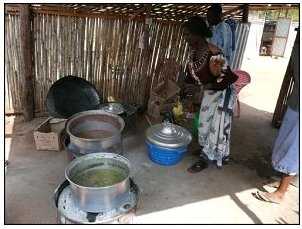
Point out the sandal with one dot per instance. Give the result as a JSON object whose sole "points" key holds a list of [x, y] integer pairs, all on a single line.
{"points": [[264, 196], [198, 166]]}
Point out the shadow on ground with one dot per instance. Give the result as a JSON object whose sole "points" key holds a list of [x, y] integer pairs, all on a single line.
{"points": [[170, 187], [252, 140], [31, 175]]}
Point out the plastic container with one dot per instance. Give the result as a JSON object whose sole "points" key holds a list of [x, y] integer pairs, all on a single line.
{"points": [[167, 143], [165, 156], [195, 125]]}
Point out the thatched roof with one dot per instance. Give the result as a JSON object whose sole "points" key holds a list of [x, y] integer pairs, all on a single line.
{"points": [[163, 11]]}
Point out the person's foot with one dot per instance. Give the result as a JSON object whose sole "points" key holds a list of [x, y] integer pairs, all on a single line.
{"points": [[198, 166], [274, 197]]}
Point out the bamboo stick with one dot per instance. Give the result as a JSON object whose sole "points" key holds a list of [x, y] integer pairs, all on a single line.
{"points": [[98, 53], [9, 91], [17, 58], [82, 40], [10, 61]]}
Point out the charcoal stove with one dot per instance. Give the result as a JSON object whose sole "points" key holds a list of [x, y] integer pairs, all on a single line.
{"points": [[69, 213]]}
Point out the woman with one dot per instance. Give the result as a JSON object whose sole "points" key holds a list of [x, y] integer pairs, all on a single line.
{"points": [[205, 67], [285, 157]]}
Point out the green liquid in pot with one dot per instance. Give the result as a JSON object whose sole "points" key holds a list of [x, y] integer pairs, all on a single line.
{"points": [[98, 177]]}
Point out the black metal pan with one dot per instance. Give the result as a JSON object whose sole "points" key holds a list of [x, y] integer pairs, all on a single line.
{"points": [[70, 95]]}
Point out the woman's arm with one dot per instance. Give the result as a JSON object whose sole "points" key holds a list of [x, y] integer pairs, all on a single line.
{"points": [[227, 80]]}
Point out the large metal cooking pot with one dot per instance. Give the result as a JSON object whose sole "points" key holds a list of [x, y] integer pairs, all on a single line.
{"points": [[99, 199], [95, 131]]}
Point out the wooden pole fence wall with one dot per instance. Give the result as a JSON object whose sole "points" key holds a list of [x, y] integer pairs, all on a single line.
{"points": [[27, 62], [103, 51], [13, 68]]}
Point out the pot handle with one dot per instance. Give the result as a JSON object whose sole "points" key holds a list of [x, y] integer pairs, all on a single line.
{"points": [[91, 216], [135, 188], [59, 190], [168, 127]]}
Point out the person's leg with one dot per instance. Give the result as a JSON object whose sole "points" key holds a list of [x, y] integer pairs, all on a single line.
{"points": [[285, 157], [201, 163], [283, 186], [278, 195], [209, 119]]}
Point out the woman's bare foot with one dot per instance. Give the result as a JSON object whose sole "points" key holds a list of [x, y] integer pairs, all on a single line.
{"points": [[274, 197]]}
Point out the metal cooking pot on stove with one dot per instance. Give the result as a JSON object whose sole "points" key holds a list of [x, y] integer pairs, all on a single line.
{"points": [[99, 198]]}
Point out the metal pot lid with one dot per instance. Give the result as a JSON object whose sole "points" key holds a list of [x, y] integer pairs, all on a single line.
{"points": [[114, 108], [67, 207], [168, 135]]}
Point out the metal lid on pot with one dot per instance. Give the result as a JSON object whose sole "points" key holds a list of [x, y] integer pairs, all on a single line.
{"points": [[168, 135], [114, 108]]}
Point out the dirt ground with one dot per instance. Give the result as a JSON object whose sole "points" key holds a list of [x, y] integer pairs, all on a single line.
{"points": [[266, 79], [169, 194]]}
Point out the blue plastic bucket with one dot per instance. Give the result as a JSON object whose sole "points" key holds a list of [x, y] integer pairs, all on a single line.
{"points": [[165, 156]]}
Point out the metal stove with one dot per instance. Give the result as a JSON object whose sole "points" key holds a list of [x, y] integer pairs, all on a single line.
{"points": [[69, 213]]}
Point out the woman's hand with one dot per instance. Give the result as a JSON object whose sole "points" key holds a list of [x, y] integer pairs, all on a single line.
{"points": [[216, 65], [231, 76], [228, 78]]}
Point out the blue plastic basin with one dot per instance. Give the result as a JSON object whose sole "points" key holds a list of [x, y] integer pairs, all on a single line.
{"points": [[165, 156]]}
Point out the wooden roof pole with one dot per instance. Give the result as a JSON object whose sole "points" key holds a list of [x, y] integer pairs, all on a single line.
{"points": [[245, 16], [27, 63]]}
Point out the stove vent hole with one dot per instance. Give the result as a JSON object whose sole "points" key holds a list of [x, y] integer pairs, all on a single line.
{"points": [[126, 206]]}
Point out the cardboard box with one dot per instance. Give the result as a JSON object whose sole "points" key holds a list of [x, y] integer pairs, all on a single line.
{"points": [[165, 91], [48, 134], [162, 98]]}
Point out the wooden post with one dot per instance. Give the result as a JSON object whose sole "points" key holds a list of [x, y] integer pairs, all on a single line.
{"points": [[285, 91], [245, 15], [27, 63], [146, 59]]}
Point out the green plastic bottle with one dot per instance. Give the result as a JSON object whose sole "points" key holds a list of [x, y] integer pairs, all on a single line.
{"points": [[195, 124]]}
